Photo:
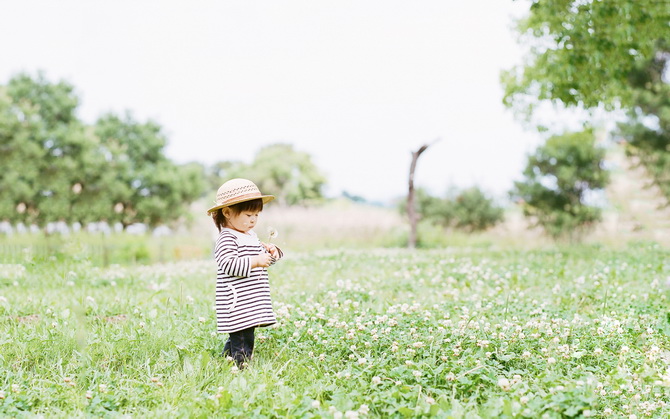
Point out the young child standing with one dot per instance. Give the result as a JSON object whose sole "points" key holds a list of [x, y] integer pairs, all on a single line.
{"points": [[242, 287]]}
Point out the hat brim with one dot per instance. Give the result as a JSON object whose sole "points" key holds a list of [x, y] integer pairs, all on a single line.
{"points": [[265, 198]]}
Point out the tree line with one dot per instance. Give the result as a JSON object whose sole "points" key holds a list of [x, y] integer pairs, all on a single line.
{"points": [[56, 168]]}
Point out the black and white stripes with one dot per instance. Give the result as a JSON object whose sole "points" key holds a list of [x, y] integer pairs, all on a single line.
{"points": [[242, 293]]}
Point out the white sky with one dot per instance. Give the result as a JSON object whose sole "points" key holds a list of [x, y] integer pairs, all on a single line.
{"points": [[357, 84]]}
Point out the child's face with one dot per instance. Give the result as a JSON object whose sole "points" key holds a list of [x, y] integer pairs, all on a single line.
{"points": [[242, 222]]}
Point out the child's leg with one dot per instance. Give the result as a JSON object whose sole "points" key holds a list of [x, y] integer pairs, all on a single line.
{"points": [[249, 342], [226, 348], [240, 346]]}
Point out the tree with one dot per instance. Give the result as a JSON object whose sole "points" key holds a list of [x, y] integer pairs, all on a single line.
{"points": [[411, 200], [279, 170], [583, 51], [648, 129], [148, 188], [45, 150], [559, 178]]}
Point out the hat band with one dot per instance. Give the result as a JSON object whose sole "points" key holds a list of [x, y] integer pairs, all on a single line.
{"points": [[241, 197]]}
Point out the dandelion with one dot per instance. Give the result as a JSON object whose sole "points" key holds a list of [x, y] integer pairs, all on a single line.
{"points": [[272, 233]]}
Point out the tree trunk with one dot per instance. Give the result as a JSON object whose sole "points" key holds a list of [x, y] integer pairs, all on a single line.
{"points": [[411, 205]]}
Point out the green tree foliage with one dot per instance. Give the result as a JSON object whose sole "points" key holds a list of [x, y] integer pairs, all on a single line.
{"points": [[57, 169], [45, 151], [583, 51], [148, 188], [648, 129], [278, 170], [469, 209], [558, 180]]}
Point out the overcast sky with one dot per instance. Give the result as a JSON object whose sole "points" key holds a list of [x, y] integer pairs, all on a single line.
{"points": [[357, 84]]}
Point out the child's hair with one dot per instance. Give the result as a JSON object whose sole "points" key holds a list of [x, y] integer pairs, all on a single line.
{"points": [[255, 205]]}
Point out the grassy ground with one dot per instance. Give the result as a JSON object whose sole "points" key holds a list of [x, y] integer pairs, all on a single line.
{"points": [[461, 331]]}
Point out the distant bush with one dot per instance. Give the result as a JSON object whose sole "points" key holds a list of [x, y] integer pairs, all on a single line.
{"points": [[468, 210]]}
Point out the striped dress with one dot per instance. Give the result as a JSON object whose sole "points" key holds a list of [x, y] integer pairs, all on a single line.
{"points": [[242, 294]]}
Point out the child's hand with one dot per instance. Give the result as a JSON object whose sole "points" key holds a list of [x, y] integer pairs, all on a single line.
{"points": [[262, 260], [272, 249]]}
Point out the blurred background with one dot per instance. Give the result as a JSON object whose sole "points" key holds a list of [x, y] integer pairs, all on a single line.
{"points": [[545, 123]]}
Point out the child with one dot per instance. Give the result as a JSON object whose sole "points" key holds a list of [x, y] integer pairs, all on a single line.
{"points": [[242, 287]]}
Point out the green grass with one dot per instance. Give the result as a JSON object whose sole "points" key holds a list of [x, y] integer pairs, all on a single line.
{"points": [[464, 332]]}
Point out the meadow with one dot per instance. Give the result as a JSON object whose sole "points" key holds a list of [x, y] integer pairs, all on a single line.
{"points": [[458, 331]]}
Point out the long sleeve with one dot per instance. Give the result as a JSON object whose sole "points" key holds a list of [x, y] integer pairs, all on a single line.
{"points": [[227, 257]]}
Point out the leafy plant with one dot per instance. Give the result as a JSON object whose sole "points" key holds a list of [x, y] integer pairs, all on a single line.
{"points": [[558, 180]]}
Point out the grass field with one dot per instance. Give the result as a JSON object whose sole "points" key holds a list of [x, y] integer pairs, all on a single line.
{"points": [[459, 332]]}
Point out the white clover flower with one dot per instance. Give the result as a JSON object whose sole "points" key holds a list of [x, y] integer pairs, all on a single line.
{"points": [[351, 414], [524, 399], [597, 351], [504, 383], [418, 344], [430, 400], [202, 319], [362, 361], [364, 409], [551, 360], [376, 380], [316, 404], [417, 373], [89, 394]]}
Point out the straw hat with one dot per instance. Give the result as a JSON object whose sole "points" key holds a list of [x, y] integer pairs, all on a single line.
{"points": [[235, 191]]}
